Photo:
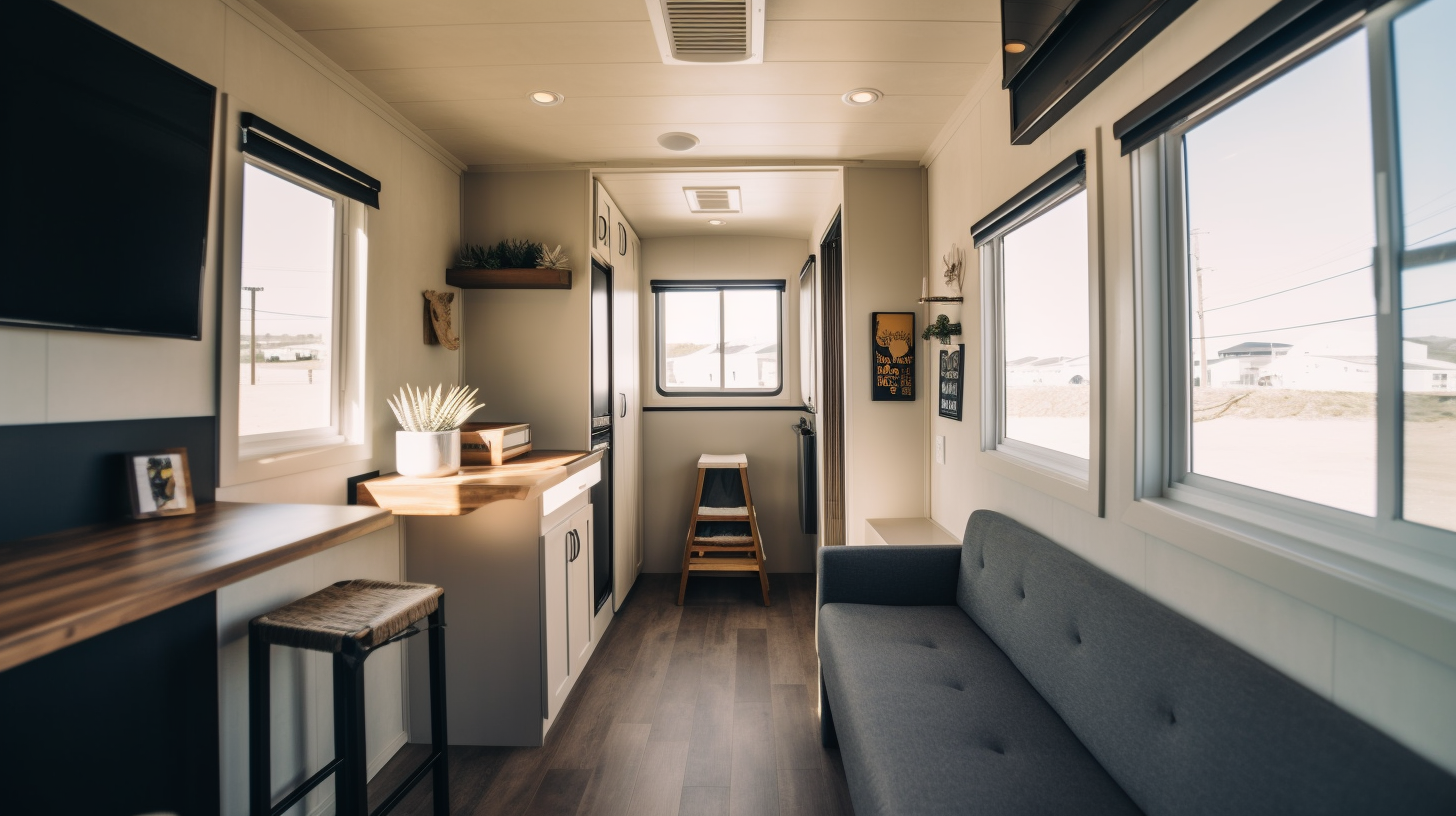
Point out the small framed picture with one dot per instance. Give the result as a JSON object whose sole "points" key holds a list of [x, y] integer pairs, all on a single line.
{"points": [[161, 483]]}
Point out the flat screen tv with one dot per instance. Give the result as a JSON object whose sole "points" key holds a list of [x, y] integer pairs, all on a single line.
{"points": [[106, 183]]}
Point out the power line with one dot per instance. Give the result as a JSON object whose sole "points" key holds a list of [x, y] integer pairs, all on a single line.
{"points": [[290, 314], [1320, 323], [1290, 289]]}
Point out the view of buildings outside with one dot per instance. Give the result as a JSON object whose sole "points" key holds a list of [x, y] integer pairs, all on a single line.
{"points": [[285, 345], [743, 354]]}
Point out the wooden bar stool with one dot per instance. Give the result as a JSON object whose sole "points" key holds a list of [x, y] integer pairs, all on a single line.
{"points": [[350, 619], [723, 527]]}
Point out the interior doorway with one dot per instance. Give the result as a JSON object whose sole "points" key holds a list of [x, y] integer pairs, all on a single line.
{"points": [[831, 410]]}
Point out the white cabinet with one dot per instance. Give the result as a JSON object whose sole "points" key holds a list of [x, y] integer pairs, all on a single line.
{"points": [[626, 428], [566, 605], [602, 225]]}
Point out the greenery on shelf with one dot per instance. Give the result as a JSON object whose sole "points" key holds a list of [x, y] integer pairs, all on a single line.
{"points": [[943, 329], [517, 253]]}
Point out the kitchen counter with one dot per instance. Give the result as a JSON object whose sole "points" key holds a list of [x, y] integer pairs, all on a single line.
{"points": [[522, 478]]}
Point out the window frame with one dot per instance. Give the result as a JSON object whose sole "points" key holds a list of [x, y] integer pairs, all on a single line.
{"points": [[720, 286], [1382, 572], [347, 439], [1070, 479]]}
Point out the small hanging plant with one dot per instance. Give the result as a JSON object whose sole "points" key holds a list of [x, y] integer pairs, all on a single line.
{"points": [[941, 328]]}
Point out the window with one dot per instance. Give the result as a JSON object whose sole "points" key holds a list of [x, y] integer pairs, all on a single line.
{"points": [[291, 292], [1037, 332], [719, 337], [1308, 304]]}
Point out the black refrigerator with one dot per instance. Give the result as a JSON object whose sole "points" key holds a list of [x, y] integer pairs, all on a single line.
{"points": [[601, 430]]}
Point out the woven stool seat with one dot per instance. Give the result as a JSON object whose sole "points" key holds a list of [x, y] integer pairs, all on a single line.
{"points": [[367, 612]]}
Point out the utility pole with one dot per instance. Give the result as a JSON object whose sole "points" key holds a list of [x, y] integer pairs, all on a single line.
{"points": [[253, 332], [1202, 334]]}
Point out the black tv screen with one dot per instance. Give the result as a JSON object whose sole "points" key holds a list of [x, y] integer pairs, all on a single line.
{"points": [[107, 178]]}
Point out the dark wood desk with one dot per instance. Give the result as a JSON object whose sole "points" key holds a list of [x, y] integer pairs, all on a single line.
{"points": [[58, 589]]}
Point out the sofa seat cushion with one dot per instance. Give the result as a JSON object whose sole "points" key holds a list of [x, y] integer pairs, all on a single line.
{"points": [[932, 718]]}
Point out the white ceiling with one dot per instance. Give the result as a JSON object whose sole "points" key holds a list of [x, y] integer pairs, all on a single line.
{"points": [[781, 203], [461, 70]]}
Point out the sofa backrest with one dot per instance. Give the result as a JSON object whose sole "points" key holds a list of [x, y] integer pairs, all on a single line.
{"points": [[1186, 722]]}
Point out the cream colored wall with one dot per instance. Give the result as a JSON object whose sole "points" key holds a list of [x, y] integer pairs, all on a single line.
{"points": [[528, 350], [884, 246], [76, 377], [1400, 690], [673, 440]]}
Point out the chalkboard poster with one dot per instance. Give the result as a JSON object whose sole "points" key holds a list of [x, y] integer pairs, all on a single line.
{"points": [[952, 381], [893, 349]]}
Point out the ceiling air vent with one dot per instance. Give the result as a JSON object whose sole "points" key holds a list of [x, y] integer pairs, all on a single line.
{"points": [[713, 199], [708, 31]]}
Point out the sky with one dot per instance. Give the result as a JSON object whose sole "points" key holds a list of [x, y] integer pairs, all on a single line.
{"points": [[288, 249], [1045, 284], [751, 316]]}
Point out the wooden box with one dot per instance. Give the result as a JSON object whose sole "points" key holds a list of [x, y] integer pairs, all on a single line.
{"points": [[492, 443]]}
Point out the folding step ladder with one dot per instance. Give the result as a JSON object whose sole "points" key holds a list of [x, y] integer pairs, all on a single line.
{"points": [[723, 531]]}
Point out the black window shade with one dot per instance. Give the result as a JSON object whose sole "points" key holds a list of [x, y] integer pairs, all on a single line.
{"points": [[277, 146], [1283, 30], [1070, 174], [714, 285]]}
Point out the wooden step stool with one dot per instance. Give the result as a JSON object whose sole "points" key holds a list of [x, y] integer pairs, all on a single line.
{"points": [[727, 507]]}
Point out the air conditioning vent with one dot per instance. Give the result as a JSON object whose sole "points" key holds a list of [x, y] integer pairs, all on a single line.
{"points": [[713, 199], [708, 31]]}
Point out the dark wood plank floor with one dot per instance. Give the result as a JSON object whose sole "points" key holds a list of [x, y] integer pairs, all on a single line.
{"points": [[705, 709]]}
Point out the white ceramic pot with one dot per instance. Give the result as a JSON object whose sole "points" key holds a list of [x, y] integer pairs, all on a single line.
{"points": [[427, 454]]}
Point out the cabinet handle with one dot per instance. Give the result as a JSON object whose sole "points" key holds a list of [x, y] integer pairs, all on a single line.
{"points": [[603, 226], [570, 546], [622, 238], [624, 405]]}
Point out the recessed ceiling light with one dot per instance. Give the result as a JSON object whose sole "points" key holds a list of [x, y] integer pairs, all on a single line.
{"points": [[546, 98], [1014, 46], [859, 97], [717, 222], [678, 141]]}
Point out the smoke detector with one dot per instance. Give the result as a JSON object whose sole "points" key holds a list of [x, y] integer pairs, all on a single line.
{"points": [[714, 199], [697, 32]]}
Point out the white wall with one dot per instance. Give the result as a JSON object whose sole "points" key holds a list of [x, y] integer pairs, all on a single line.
{"points": [[673, 440], [1397, 688], [75, 377], [884, 259]]}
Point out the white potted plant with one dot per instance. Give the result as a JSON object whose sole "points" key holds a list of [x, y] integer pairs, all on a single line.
{"points": [[429, 445]]}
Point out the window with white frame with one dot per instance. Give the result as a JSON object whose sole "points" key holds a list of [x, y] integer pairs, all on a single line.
{"points": [[719, 338], [292, 285], [1036, 331], [1305, 314]]}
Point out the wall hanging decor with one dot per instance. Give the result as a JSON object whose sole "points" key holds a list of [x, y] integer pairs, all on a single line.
{"points": [[892, 341], [438, 328], [952, 381], [160, 482]]}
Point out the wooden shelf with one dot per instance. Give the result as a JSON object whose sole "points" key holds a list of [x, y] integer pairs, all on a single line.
{"points": [[521, 478], [942, 299], [509, 278], [65, 587]]}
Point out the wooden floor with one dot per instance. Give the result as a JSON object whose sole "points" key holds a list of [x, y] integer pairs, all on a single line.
{"points": [[708, 709]]}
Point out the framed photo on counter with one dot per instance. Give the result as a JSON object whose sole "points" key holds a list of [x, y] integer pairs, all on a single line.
{"points": [[160, 483]]}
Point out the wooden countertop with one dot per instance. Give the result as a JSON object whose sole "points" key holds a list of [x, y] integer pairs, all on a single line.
{"points": [[524, 477], [65, 587]]}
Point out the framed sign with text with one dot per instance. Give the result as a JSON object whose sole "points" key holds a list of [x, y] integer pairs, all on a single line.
{"points": [[952, 381], [892, 348]]}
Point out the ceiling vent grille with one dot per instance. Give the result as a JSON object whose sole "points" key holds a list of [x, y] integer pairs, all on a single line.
{"points": [[708, 31], [714, 199]]}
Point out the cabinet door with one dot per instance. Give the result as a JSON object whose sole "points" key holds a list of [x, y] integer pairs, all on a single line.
{"points": [[626, 428], [579, 605], [556, 548], [601, 223]]}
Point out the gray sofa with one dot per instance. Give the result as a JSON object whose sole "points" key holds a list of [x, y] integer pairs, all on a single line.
{"points": [[1009, 676]]}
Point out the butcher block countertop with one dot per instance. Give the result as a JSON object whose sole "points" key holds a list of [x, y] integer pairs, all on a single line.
{"points": [[64, 587], [525, 477]]}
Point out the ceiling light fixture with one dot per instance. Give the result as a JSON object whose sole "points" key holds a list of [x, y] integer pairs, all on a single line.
{"points": [[717, 222], [1014, 46], [859, 97], [546, 98], [678, 141]]}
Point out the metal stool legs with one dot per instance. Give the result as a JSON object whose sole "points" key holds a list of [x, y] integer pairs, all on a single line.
{"points": [[351, 759]]}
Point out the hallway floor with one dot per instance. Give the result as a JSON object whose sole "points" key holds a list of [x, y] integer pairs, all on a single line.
{"points": [[707, 709]]}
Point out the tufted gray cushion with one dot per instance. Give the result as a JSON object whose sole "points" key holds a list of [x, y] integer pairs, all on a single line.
{"points": [[933, 719], [1185, 722]]}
